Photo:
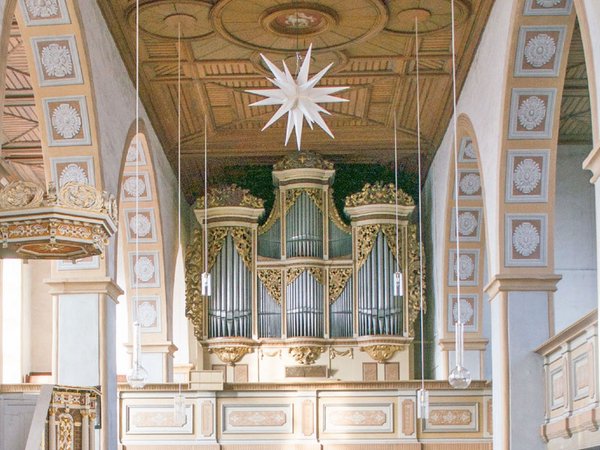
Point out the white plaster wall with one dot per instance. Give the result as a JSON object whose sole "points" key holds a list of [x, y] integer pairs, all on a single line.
{"points": [[574, 230], [482, 100], [115, 109]]}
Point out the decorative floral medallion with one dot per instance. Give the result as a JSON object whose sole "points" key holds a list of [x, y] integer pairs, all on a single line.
{"points": [[66, 121], [144, 269], [526, 239], [146, 314], [140, 225], [547, 3], [467, 223], [469, 151], [527, 176], [134, 186], [470, 184], [540, 50], [466, 311], [73, 172], [465, 268], [531, 113], [56, 60], [132, 153], [42, 8]]}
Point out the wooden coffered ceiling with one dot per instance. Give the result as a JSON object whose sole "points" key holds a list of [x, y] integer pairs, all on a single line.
{"points": [[370, 42]]}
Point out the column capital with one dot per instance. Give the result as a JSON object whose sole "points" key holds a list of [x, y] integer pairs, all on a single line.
{"points": [[100, 285], [592, 163], [514, 283]]}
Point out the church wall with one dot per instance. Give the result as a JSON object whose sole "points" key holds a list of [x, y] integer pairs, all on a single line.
{"points": [[115, 103], [481, 100], [574, 227]]}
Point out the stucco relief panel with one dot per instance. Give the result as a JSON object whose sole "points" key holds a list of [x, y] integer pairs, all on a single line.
{"points": [[140, 225], [469, 224], [67, 121], [44, 12], [527, 176], [526, 240], [531, 113], [548, 7], [57, 60], [539, 51], [78, 169], [466, 268]]}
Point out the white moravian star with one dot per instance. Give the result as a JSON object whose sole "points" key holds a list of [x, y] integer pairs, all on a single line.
{"points": [[299, 97]]}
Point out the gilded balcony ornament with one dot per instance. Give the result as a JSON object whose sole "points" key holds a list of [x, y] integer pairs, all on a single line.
{"points": [[382, 352], [230, 195], [230, 354], [338, 278], [303, 160], [378, 194], [271, 278], [306, 355], [73, 223]]}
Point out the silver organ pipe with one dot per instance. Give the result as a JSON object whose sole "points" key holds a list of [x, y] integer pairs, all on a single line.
{"points": [[269, 242], [304, 229], [340, 242], [230, 305], [269, 313], [304, 305], [380, 313], [340, 313]]}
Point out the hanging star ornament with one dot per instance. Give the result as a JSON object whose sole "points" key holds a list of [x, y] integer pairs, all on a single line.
{"points": [[299, 98]]}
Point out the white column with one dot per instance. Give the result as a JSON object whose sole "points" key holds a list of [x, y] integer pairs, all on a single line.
{"points": [[85, 342], [521, 311]]}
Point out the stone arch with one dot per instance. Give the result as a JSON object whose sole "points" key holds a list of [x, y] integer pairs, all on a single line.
{"points": [[530, 135], [472, 254], [144, 275]]}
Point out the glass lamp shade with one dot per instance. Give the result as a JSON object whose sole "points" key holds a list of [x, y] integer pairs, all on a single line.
{"points": [[179, 409], [398, 284], [460, 377], [137, 376], [423, 404], [205, 284]]}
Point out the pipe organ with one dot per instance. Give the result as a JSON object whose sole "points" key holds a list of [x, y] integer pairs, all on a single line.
{"points": [[304, 286]]}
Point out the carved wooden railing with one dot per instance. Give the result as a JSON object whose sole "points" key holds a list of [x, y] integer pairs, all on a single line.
{"points": [[571, 378]]}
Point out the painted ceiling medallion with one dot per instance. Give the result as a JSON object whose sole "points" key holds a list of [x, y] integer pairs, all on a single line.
{"points": [[266, 25], [299, 98], [432, 15], [160, 18], [526, 239]]}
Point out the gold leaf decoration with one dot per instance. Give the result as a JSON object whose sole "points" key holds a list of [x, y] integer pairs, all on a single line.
{"points": [[389, 231], [230, 195], [292, 274], [317, 272], [306, 355], [242, 238], [270, 220], [271, 278], [230, 355], [291, 195], [378, 194], [382, 352], [335, 217], [216, 239], [303, 160], [414, 279], [365, 240], [194, 302], [338, 277]]}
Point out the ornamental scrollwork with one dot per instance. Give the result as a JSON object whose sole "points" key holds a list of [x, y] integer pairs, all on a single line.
{"points": [[230, 195], [80, 196], [365, 240], [194, 302], [242, 238], [292, 195], [303, 160], [21, 194], [335, 217], [338, 277], [271, 278], [382, 352], [416, 280], [294, 272], [377, 194], [230, 355], [270, 220], [306, 355]]}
